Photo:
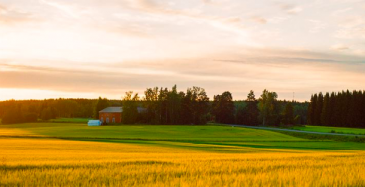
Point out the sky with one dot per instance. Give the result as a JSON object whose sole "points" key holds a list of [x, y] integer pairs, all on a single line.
{"points": [[92, 48]]}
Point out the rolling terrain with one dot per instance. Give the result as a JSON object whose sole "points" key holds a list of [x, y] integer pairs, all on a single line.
{"points": [[43, 154]]}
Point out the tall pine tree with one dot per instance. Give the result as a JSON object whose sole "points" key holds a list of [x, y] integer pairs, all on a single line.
{"points": [[312, 109], [325, 115]]}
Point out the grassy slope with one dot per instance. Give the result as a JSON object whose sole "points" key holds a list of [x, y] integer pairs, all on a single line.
{"points": [[342, 130], [211, 138], [151, 132]]}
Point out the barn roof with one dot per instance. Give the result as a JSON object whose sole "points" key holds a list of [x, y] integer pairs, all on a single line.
{"points": [[120, 109], [112, 110]]}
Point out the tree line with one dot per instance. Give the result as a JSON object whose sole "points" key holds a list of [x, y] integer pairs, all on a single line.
{"points": [[22, 111], [342, 109], [267, 110], [166, 106]]}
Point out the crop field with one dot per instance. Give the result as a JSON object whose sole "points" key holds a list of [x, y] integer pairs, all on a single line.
{"points": [[71, 154]]}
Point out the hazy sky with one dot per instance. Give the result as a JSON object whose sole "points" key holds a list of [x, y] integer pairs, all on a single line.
{"points": [[91, 48]]}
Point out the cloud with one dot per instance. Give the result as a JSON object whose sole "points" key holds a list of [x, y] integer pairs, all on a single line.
{"points": [[351, 33], [340, 47], [66, 9], [226, 23], [289, 8], [152, 7], [259, 19], [351, 28], [318, 26], [257, 69], [135, 44], [351, 22], [341, 11], [11, 16], [125, 29]]}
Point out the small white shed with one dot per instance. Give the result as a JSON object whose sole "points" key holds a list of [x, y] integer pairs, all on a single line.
{"points": [[94, 123]]}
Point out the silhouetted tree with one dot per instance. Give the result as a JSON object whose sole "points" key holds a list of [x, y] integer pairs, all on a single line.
{"points": [[251, 96], [173, 106], [325, 114], [151, 104], [223, 108], [318, 111], [268, 108], [47, 114], [288, 115], [312, 109], [248, 114], [100, 105], [342, 109], [130, 108]]}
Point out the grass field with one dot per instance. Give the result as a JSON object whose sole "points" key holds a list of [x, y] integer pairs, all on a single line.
{"points": [[70, 120], [68, 154], [342, 130]]}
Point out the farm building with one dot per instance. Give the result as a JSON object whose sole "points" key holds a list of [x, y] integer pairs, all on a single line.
{"points": [[114, 114]]}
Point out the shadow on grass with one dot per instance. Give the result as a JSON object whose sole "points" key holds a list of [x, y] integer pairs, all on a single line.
{"points": [[243, 146]]}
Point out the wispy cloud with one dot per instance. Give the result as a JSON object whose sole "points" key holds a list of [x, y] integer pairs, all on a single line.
{"points": [[340, 47], [319, 72], [259, 19], [317, 26], [341, 11], [220, 45], [13, 16], [289, 8], [62, 7]]}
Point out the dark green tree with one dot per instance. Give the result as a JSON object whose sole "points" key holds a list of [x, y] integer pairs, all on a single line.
{"points": [[200, 105], [339, 109], [187, 109], [173, 106], [30, 117], [251, 96], [47, 114], [151, 104], [223, 108], [318, 111], [332, 104], [100, 105], [312, 109], [326, 112], [268, 108], [249, 113], [130, 108], [162, 106], [13, 115], [288, 114]]}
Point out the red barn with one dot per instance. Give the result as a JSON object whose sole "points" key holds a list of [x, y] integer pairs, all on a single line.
{"points": [[114, 114], [111, 115]]}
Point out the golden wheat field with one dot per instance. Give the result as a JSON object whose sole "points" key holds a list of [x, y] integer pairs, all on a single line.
{"points": [[51, 162]]}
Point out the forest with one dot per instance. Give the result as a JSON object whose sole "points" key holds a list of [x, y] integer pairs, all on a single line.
{"points": [[342, 109], [166, 106]]}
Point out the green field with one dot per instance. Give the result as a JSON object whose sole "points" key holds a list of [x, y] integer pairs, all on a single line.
{"points": [[341, 130], [70, 120], [168, 135], [73, 154]]}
